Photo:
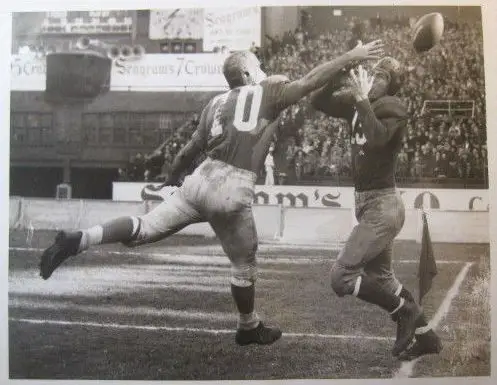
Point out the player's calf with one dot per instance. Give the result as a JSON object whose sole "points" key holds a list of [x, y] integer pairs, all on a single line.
{"points": [[349, 281], [250, 329]]}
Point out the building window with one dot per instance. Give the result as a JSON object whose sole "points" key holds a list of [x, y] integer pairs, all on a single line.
{"points": [[121, 123], [135, 129], [90, 128], [123, 128], [106, 125], [33, 128], [151, 131], [18, 128]]}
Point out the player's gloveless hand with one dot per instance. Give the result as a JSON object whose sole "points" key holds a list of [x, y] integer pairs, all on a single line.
{"points": [[360, 83], [369, 51]]}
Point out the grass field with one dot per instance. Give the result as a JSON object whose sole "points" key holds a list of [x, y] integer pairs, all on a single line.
{"points": [[164, 312]]}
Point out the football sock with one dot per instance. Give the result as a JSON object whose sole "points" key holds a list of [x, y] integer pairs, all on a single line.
{"points": [[122, 229], [248, 321], [244, 299], [367, 289], [422, 326]]}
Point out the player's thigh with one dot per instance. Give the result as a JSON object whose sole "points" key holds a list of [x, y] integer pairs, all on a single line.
{"points": [[383, 261], [380, 268], [362, 246], [380, 221], [169, 217], [238, 235]]}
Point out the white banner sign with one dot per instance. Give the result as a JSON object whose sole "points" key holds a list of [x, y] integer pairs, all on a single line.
{"points": [[332, 197], [154, 72], [28, 73], [235, 28], [159, 71], [179, 23]]}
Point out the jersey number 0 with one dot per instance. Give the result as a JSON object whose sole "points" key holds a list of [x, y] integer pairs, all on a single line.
{"points": [[241, 104]]}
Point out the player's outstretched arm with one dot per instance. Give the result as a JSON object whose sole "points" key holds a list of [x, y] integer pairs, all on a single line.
{"points": [[333, 99], [378, 132], [319, 76], [189, 153]]}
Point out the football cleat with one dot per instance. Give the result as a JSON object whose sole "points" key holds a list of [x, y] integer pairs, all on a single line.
{"points": [[424, 344], [260, 335], [406, 326], [66, 244]]}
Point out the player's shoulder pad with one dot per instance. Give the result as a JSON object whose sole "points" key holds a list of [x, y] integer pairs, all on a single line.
{"points": [[389, 107], [276, 79]]}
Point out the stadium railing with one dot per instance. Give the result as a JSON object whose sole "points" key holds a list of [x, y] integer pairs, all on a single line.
{"points": [[449, 107]]}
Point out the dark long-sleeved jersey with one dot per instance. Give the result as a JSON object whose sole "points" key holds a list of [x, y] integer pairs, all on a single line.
{"points": [[376, 137]]}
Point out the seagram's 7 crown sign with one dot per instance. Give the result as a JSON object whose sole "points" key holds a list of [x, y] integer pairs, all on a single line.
{"points": [[152, 73]]}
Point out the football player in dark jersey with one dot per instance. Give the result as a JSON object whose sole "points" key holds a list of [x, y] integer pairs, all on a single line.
{"points": [[377, 120], [235, 131]]}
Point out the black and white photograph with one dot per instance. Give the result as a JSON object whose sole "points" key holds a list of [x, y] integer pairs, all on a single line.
{"points": [[249, 192]]}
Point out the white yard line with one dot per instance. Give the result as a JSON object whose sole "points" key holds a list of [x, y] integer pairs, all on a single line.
{"points": [[220, 258], [118, 310], [407, 368], [189, 329]]}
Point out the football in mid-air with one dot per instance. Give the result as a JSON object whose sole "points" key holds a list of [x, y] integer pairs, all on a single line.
{"points": [[428, 31]]}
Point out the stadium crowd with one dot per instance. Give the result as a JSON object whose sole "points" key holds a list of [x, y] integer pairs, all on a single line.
{"points": [[310, 145]]}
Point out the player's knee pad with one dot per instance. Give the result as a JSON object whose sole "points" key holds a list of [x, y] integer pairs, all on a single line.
{"points": [[243, 275], [344, 279]]}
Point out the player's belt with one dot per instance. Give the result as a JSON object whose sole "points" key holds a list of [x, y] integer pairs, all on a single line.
{"points": [[218, 169]]}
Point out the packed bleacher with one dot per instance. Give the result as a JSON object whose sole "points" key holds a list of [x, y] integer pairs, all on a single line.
{"points": [[313, 147]]}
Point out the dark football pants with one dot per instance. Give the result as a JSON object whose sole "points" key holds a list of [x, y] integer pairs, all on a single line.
{"points": [[222, 195], [368, 250]]}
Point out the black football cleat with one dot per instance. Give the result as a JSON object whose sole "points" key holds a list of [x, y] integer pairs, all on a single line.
{"points": [[424, 344], [406, 326], [260, 335], [66, 244]]}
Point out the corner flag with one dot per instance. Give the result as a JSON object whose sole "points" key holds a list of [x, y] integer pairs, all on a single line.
{"points": [[427, 264]]}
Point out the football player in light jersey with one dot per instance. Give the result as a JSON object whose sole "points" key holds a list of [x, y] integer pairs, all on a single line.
{"points": [[235, 131], [377, 120]]}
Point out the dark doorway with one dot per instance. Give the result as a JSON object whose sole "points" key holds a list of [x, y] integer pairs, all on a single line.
{"points": [[35, 182], [92, 183]]}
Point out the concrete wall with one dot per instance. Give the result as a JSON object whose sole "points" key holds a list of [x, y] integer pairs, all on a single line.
{"points": [[274, 223]]}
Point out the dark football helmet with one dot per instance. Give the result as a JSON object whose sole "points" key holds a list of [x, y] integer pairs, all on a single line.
{"points": [[391, 72]]}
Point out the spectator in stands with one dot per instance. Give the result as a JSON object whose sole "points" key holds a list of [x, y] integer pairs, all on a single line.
{"points": [[336, 160], [121, 175], [147, 176], [464, 166], [136, 168], [441, 164], [403, 163], [428, 161], [417, 166], [477, 165], [269, 167], [347, 163], [326, 149], [452, 157], [299, 165]]}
